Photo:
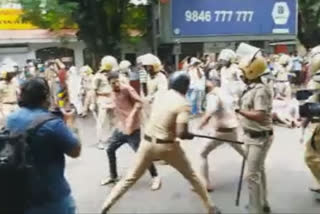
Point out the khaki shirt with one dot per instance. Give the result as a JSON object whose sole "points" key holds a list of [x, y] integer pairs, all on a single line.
{"points": [[101, 84], [257, 97], [231, 81], [87, 82], [103, 90], [282, 73], [220, 105], [8, 92], [50, 75], [313, 99], [168, 109], [156, 83], [313, 85]]}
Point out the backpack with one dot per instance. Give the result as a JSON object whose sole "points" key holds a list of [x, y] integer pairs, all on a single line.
{"points": [[18, 173]]}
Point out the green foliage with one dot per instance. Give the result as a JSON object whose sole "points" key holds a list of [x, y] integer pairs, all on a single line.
{"points": [[50, 14], [135, 19], [103, 24], [309, 22]]}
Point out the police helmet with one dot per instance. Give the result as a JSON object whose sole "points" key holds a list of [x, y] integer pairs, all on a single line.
{"points": [[179, 81]]}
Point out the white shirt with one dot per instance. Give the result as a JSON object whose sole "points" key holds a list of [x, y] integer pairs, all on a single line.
{"points": [[197, 82], [220, 105]]}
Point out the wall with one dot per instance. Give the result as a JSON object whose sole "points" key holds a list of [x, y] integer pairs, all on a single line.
{"points": [[19, 55], [78, 48]]}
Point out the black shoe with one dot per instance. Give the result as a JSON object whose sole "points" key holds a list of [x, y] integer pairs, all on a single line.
{"points": [[215, 210], [315, 190], [109, 181], [266, 209]]}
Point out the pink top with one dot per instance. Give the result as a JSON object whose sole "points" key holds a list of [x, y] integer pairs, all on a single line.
{"points": [[124, 104]]}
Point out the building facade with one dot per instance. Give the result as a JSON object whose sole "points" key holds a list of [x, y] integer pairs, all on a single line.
{"points": [[20, 41]]}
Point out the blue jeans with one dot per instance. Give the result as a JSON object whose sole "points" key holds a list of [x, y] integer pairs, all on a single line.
{"points": [[66, 205], [195, 97], [117, 140]]}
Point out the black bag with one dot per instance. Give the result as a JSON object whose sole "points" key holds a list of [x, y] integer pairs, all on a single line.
{"points": [[18, 173]]}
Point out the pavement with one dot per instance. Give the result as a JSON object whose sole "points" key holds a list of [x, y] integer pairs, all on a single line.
{"points": [[288, 178]]}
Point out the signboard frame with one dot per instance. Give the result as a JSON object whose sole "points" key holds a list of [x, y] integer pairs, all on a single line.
{"points": [[168, 36]]}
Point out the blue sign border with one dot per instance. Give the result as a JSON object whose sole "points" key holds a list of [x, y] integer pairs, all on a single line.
{"points": [[200, 29]]}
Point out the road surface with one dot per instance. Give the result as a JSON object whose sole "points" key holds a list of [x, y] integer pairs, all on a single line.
{"points": [[288, 178]]}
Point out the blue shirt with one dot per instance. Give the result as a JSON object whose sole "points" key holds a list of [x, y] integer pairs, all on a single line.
{"points": [[52, 141], [297, 65]]}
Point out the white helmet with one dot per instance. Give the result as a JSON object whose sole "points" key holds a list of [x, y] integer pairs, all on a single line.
{"points": [[227, 55], [109, 63], [247, 51], [194, 61], [125, 64], [152, 60]]}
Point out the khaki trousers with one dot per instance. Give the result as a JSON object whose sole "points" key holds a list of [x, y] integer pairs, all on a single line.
{"points": [[256, 175], [88, 100], [104, 120], [212, 145], [149, 152], [312, 159]]}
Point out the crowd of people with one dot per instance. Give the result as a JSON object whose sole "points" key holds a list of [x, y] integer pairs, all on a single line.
{"points": [[237, 97]]}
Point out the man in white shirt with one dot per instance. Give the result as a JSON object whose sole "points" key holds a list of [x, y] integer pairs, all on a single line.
{"points": [[196, 91], [223, 122]]}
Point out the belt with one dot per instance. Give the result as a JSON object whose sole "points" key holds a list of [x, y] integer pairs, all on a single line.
{"points": [[282, 81], [10, 103], [158, 141], [225, 129], [104, 95], [255, 134]]}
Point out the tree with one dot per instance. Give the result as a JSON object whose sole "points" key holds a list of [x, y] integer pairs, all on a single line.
{"points": [[102, 24], [309, 22]]}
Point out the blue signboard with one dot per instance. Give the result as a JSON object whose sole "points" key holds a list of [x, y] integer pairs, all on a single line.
{"points": [[233, 17]]}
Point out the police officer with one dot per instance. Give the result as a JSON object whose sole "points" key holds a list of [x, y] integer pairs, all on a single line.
{"points": [[103, 98], [282, 86], [312, 153], [168, 122], [87, 89], [124, 71], [50, 75], [230, 74], [156, 82], [9, 88], [256, 121]]}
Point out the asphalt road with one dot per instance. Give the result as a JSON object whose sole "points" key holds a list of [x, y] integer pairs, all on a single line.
{"points": [[288, 178]]}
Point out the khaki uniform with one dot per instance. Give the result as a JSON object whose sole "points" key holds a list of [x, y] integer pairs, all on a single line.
{"points": [[52, 80], [155, 84], [223, 123], [89, 93], [160, 143], [282, 85], [105, 104], [257, 97], [312, 152], [8, 99], [231, 81], [124, 79]]}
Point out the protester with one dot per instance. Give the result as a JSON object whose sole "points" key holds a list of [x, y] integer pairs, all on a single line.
{"points": [[51, 142]]}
